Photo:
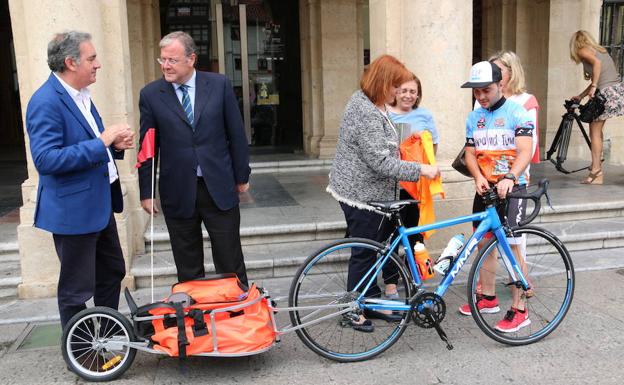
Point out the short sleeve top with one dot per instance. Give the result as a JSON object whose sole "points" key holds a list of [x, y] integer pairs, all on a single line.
{"points": [[419, 119], [492, 133]]}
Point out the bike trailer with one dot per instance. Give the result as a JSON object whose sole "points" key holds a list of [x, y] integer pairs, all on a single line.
{"points": [[216, 315]]}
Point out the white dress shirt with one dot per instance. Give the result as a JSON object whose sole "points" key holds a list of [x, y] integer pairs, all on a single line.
{"points": [[82, 99]]}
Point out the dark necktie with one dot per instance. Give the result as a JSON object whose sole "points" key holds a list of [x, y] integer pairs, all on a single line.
{"points": [[186, 103]]}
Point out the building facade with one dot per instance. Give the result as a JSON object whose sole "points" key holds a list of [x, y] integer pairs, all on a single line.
{"points": [[293, 65]]}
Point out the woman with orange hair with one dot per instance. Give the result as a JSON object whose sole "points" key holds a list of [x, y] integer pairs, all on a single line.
{"points": [[367, 167]]}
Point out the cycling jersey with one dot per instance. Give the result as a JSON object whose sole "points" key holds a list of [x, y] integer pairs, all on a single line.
{"points": [[492, 132]]}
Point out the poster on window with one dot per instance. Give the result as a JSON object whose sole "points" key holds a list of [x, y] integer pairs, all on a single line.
{"points": [[266, 92]]}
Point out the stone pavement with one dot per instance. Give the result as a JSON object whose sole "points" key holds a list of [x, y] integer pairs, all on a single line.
{"points": [[585, 349]]}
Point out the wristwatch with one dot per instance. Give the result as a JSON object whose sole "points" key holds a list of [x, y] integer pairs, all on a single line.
{"points": [[510, 176]]}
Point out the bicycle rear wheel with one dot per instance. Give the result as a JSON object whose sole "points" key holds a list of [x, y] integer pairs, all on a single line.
{"points": [[549, 269], [322, 280]]}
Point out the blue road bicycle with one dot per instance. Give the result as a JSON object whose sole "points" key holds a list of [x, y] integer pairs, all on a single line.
{"points": [[538, 268]]}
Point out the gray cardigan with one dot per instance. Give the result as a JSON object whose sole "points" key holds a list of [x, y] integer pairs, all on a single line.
{"points": [[367, 165]]}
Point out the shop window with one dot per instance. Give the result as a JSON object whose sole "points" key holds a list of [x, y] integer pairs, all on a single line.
{"points": [[612, 31]]}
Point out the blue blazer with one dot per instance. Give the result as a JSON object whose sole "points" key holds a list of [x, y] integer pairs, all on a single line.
{"points": [[74, 195], [215, 141]]}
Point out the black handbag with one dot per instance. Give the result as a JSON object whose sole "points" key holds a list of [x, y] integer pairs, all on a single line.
{"points": [[459, 164], [594, 107]]}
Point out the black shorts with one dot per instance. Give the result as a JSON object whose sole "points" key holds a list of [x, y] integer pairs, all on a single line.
{"points": [[516, 208]]}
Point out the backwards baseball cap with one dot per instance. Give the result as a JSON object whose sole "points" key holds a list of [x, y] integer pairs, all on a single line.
{"points": [[482, 74]]}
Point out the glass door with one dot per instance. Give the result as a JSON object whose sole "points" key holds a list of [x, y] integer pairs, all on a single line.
{"points": [[255, 43], [261, 57]]}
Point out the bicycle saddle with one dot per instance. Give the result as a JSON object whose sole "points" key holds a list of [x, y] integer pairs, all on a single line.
{"points": [[389, 206]]}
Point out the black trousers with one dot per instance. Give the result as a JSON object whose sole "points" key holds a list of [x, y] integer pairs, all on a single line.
{"points": [[410, 216], [92, 265], [224, 230], [370, 225]]}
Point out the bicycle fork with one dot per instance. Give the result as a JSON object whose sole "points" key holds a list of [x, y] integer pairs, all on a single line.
{"points": [[510, 261]]}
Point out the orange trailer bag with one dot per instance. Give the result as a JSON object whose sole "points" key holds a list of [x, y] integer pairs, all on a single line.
{"points": [[216, 315]]}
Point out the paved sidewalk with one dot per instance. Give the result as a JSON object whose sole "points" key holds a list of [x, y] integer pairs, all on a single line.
{"points": [[585, 349]]}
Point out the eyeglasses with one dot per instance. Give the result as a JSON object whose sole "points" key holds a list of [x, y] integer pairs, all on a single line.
{"points": [[172, 62]]}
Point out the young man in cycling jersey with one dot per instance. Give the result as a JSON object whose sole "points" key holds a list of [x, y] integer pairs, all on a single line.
{"points": [[498, 150]]}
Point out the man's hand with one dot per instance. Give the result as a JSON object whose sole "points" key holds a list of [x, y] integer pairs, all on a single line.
{"points": [[504, 187], [112, 133], [147, 205], [481, 184], [429, 171], [243, 187], [124, 141]]}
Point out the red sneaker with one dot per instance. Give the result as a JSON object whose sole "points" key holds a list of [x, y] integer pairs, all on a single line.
{"points": [[484, 305], [513, 321]]}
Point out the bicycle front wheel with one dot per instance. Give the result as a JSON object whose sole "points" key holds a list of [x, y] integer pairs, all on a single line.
{"points": [[321, 283], [546, 264]]}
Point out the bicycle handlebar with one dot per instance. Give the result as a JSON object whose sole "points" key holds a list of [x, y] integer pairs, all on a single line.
{"points": [[535, 196]]}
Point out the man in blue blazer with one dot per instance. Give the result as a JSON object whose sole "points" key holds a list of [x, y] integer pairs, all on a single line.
{"points": [[78, 181], [204, 159]]}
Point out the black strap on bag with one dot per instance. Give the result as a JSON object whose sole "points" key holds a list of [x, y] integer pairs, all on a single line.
{"points": [[182, 340], [199, 324]]}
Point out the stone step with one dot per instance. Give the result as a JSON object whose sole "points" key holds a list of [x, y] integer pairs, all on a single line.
{"points": [[10, 277], [580, 211], [8, 250], [262, 261], [283, 166], [261, 235], [290, 166], [283, 259], [21, 311], [591, 234], [294, 232]]}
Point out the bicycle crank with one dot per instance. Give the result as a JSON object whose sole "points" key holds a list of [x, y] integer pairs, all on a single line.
{"points": [[428, 310]]}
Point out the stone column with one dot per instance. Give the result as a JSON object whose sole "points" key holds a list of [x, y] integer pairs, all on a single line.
{"points": [[418, 34], [331, 66], [434, 40], [531, 23], [144, 35], [498, 23], [34, 23]]}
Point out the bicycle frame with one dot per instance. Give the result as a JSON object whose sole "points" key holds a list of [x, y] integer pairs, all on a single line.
{"points": [[490, 222]]}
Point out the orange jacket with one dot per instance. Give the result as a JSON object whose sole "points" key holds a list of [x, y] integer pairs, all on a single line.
{"points": [[419, 148]]}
